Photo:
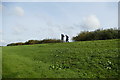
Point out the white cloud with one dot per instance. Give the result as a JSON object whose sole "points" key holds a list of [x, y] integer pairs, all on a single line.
{"points": [[19, 11], [90, 22]]}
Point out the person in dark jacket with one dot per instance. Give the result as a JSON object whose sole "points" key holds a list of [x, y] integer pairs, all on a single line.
{"points": [[67, 38], [62, 37]]}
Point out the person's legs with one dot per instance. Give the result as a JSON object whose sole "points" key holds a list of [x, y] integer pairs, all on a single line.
{"points": [[67, 40]]}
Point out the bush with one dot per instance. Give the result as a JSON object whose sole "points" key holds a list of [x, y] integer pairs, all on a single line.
{"points": [[30, 42], [97, 35], [51, 41], [14, 44]]}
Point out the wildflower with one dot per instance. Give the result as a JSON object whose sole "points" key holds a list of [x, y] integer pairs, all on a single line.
{"points": [[108, 67], [109, 62], [53, 67]]}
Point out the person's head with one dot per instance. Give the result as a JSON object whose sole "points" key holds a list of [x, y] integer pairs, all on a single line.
{"points": [[66, 35], [62, 35]]}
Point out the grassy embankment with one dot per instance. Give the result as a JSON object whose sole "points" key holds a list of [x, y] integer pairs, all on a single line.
{"points": [[84, 59]]}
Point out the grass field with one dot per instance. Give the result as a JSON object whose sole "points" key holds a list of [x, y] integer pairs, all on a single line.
{"points": [[0, 62], [85, 59]]}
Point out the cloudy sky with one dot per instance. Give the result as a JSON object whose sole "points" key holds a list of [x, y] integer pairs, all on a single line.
{"points": [[22, 21]]}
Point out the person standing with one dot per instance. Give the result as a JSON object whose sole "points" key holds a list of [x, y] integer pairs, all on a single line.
{"points": [[62, 37], [67, 38]]}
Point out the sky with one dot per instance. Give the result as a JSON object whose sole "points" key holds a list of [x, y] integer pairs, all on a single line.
{"points": [[22, 21]]}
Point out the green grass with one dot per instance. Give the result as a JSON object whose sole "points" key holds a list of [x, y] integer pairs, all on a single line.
{"points": [[0, 62], [85, 59]]}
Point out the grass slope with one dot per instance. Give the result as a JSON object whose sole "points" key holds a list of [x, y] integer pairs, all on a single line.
{"points": [[0, 62], [85, 59]]}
